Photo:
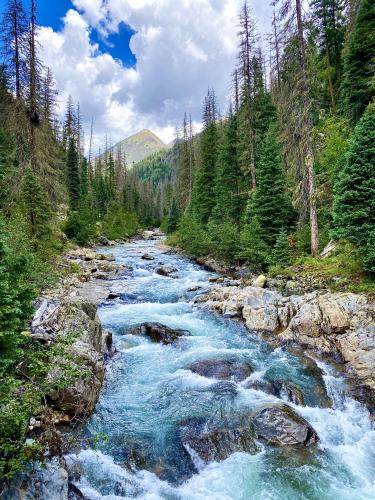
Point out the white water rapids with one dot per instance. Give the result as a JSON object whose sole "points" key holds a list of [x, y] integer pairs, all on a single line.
{"points": [[149, 390]]}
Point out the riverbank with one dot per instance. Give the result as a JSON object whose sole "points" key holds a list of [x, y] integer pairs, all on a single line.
{"points": [[159, 393]]}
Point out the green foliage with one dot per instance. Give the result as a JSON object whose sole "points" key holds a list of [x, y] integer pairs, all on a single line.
{"points": [[38, 212], [253, 249], [118, 223], [7, 152], [282, 252], [81, 225], [357, 86], [203, 199], [354, 203], [173, 217], [223, 239], [192, 237], [270, 203], [72, 172]]}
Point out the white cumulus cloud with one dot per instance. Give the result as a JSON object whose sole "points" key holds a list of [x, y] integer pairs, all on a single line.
{"points": [[182, 48]]}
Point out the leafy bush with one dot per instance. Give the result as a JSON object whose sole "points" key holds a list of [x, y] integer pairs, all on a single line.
{"points": [[192, 237], [120, 224]]}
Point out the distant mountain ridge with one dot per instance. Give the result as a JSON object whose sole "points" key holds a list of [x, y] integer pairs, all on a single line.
{"points": [[139, 146]]}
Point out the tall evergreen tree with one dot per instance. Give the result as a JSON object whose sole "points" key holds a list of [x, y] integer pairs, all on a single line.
{"points": [[38, 211], [358, 73], [203, 200], [270, 203], [328, 16], [230, 181], [354, 192], [72, 172], [13, 29]]}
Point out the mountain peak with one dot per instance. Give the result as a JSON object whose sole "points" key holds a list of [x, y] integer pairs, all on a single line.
{"points": [[140, 145]]}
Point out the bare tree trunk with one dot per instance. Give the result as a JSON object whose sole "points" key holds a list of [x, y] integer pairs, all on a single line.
{"points": [[307, 136]]}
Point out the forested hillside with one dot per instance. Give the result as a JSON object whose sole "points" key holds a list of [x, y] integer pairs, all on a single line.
{"points": [[290, 165]]}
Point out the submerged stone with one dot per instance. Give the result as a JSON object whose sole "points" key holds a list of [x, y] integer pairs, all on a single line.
{"points": [[158, 332], [222, 369]]}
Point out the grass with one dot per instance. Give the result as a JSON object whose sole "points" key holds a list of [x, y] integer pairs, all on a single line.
{"points": [[342, 271]]}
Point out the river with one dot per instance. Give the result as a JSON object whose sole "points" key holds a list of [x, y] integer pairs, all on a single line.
{"points": [[149, 390]]}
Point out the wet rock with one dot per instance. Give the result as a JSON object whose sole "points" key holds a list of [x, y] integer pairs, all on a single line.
{"points": [[104, 241], [194, 288], [158, 332], [260, 281], [224, 388], [147, 256], [216, 280], [84, 357], [281, 426], [74, 493], [109, 257], [212, 440], [259, 384], [222, 369], [113, 295], [166, 271], [47, 482], [289, 391]]}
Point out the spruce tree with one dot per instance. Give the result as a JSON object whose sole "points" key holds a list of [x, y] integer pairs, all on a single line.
{"points": [[253, 249], [354, 191], [270, 203], [230, 181], [72, 172], [203, 200], [37, 209], [281, 253], [84, 178], [358, 72], [173, 216]]}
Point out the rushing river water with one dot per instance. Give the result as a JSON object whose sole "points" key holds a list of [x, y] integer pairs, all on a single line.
{"points": [[149, 390]]}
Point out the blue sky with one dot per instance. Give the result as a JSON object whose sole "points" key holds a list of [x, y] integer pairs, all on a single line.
{"points": [[52, 12], [134, 64]]}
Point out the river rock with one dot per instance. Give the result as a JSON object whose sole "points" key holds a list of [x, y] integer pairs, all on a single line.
{"points": [[147, 256], [166, 271], [260, 281], [222, 369], [213, 440], [339, 325], [108, 257], [281, 426], [79, 374], [158, 332], [49, 482]]}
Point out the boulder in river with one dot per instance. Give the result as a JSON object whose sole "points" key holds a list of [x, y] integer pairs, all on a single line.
{"points": [[147, 256], [166, 271], [215, 440], [281, 426], [222, 369], [289, 391], [158, 332]]}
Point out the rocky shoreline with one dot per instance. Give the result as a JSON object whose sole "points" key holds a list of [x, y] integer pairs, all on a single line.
{"points": [[337, 326]]}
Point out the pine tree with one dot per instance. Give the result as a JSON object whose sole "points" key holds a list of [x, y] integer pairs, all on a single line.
{"points": [[329, 21], [203, 199], [253, 249], [354, 191], [173, 216], [281, 253], [38, 212], [13, 30], [72, 172], [84, 178], [270, 203], [358, 73], [230, 181], [7, 167]]}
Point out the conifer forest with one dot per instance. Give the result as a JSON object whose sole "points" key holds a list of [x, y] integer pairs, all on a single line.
{"points": [[275, 184]]}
